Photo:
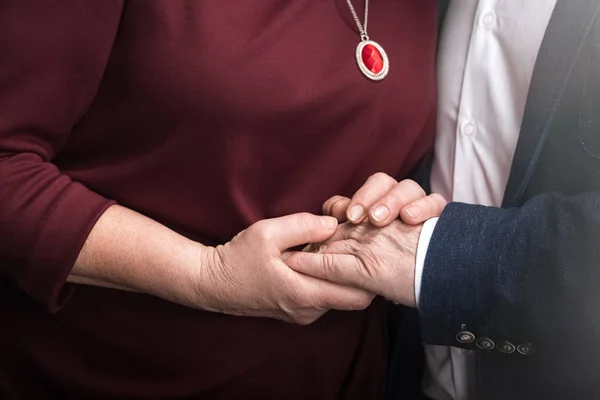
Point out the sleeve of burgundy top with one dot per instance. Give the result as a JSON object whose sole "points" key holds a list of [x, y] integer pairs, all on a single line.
{"points": [[52, 57]]}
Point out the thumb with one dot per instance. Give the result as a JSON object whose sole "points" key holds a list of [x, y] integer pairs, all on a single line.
{"points": [[298, 229]]}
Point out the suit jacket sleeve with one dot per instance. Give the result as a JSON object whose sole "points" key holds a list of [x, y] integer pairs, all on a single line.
{"points": [[524, 275]]}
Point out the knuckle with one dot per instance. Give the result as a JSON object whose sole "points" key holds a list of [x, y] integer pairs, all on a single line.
{"points": [[438, 199], [393, 200], [413, 186], [297, 310], [303, 301], [363, 198], [352, 245], [376, 185], [304, 216], [298, 295], [261, 229], [380, 177]]}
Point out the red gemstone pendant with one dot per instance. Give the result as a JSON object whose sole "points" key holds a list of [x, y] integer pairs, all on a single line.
{"points": [[372, 60]]}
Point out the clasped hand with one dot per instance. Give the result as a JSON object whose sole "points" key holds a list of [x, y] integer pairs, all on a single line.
{"points": [[371, 252]]}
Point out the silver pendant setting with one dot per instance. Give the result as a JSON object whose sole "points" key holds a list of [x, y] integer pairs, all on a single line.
{"points": [[372, 60]]}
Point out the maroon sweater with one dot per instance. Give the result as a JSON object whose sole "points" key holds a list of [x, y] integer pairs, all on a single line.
{"points": [[206, 116]]}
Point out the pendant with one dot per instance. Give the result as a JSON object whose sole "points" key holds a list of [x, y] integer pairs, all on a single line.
{"points": [[372, 60]]}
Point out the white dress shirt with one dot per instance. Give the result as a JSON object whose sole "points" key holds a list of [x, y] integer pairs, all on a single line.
{"points": [[486, 59]]}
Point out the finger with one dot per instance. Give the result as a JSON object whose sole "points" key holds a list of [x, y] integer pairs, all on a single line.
{"points": [[387, 209], [336, 207], [295, 230], [374, 188], [332, 296], [343, 232], [342, 269], [423, 209]]}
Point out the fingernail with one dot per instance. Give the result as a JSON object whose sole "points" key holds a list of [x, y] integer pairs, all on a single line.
{"points": [[413, 211], [380, 213], [329, 222], [356, 213]]}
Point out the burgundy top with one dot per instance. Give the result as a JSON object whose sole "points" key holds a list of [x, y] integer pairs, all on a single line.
{"points": [[206, 116]]}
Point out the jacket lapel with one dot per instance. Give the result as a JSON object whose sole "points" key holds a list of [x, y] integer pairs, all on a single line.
{"points": [[565, 36]]}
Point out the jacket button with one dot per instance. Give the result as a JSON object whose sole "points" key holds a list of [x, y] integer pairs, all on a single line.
{"points": [[485, 343], [465, 337], [526, 349], [506, 347]]}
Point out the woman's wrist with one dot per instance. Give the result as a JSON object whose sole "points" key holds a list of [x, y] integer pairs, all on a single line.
{"points": [[128, 251], [189, 281]]}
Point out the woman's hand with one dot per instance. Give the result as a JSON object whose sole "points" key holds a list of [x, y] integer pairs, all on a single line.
{"points": [[248, 276], [382, 200]]}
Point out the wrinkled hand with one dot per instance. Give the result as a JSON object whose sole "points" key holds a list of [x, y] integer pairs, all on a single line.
{"points": [[248, 277], [379, 260], [382, 200]]}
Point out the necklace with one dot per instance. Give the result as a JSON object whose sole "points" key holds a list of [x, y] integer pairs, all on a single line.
{"points": [[370, 56]]}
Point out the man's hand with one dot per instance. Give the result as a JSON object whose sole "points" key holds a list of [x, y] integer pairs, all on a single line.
{"points": [[382, 200], [248, 277], [379, 260], [374, 250]]}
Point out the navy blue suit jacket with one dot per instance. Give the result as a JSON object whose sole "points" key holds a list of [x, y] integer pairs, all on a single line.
{"points": [[522, 282]]}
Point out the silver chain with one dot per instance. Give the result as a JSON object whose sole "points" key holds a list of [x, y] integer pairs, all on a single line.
{"points": [[362, 29]]}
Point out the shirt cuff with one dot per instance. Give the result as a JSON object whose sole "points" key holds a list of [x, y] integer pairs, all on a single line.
{"points": [[423, 245]]}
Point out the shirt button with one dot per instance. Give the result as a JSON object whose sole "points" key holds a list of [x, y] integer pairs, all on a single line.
{"points": [[488, 20], [465, 337], [485, 343], [506, 347], [526, 349], [469, 129]]}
